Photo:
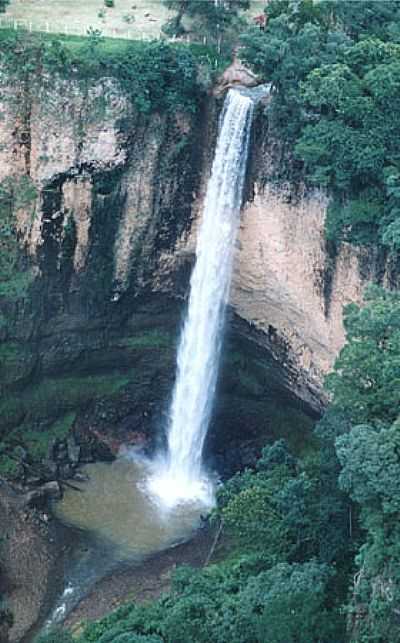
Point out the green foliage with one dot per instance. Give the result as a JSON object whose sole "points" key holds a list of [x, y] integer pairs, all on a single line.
{"points": [[366, 379], [37, 442], [57, 635], [293, 525], [265, 590], [351, 148], [210, 12], [156, 75], [3, 5], [363, 424], [34, 439], [335, 71], [286, 605], [149, 339], [273, 509], [252, 518], [57, 396], [370, 460], [335, 509], [370, 474], [219, 21], [15, 194]]}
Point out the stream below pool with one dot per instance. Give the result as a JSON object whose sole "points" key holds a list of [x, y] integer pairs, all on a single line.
{"points": [[118, 524]]}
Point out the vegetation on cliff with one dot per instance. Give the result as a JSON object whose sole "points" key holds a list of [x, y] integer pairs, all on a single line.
{"points": [[155, 75], [152, 79], [14, 275], [311, 545], [335, 69]]}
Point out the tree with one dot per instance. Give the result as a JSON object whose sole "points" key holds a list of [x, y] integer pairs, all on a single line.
{"points": [[56, 635], [287, 604], [368, 17], [3, 5], [366, 390], [351, 142], [273, 509], [370, 459], [335, 72], [336, 513], [211, 18], [366, 378]]}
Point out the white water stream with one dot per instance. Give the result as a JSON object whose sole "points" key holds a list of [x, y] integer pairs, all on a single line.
{"points": [[179, 474]]}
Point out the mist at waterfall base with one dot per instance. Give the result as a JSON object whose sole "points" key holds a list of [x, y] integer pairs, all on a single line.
{"points": [[179, 475]]}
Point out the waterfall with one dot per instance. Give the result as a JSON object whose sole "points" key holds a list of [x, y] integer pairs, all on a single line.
{"points": [[179, 475]]}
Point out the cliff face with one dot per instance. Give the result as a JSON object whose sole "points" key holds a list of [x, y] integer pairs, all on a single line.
{"points": [[110, 237], [108, 232], [109, 192], [88, 346], [289, 286], [290, 289]]}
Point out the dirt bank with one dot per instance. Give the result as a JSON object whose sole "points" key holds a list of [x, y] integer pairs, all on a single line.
{"points": [[33, 550], [140, 582]]}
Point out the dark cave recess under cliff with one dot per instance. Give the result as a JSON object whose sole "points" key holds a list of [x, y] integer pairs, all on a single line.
{"points": [[83, 357], [110, 383]]}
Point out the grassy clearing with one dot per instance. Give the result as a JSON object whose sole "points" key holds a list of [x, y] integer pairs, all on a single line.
{"points": [[128, 19]]}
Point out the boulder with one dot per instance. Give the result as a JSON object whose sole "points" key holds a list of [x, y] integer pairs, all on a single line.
{"points": [[37, 498], [235, 74]]}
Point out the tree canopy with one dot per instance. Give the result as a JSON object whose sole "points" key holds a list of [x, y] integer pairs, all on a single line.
{"points": [[366, 379], [335, 72], [211, 19]]}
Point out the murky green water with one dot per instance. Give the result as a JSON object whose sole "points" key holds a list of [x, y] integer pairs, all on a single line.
{"points": [[115, 506], [119, 522]]}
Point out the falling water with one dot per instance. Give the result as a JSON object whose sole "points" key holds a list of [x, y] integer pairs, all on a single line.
{"points": [[179, 474]]}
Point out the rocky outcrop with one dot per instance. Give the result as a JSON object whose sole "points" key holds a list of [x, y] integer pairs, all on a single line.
{"points": [[109, 191], [31, 560], [288, 285], [235, 74]]}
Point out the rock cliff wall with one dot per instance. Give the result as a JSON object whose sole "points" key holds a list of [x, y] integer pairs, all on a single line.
{"points": [[290, 288], [111, 234], [288, 285], [108, 234]]}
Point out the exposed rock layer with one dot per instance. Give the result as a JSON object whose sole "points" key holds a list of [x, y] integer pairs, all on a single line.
{"points": [[116, 215]]}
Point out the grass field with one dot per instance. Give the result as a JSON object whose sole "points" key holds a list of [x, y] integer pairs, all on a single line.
{"points": [[127, 19]]}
